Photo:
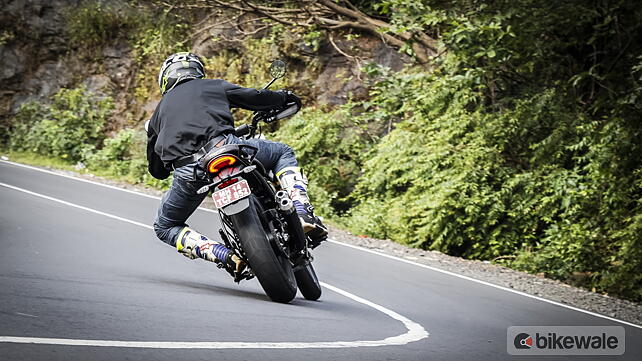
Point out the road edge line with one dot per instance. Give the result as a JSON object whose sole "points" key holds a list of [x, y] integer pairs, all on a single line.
{"points": [[556, 303], [415, 331], [91, 182], [485, 283]]}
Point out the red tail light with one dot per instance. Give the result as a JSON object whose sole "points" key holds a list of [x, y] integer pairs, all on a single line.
{"points": [[228, 182], [215, 165]]}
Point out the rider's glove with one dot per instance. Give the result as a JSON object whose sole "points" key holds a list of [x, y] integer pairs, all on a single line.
{"points": [[291, 98]]}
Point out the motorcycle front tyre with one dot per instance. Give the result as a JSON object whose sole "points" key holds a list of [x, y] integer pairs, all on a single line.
{"points": [[308, 283]]}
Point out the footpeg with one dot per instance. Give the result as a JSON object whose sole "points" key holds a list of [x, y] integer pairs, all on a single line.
{"points": [[314, 243]]}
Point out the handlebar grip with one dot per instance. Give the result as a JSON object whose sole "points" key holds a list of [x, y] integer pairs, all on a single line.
{"points": [[242, 130], [290, 110]]}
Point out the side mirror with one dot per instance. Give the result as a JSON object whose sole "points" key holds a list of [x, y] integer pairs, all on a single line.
{"points": [[277, 69]]}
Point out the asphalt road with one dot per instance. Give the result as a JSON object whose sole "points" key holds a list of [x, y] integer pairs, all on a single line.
{"points": [[80, 267]]}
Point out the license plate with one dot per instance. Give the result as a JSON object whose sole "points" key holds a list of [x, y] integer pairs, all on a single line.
{"points": [[231, 194]]}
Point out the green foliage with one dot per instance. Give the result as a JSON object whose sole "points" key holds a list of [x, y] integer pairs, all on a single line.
{"points": [[123, 156], [537, 181], [313, 38], [93, 24], [6, 36], [67, 131], [410, 15], [251, 69], [67, 128], [70, 130], [329, 145], [153, 34], [520, 145], [159, 35]]}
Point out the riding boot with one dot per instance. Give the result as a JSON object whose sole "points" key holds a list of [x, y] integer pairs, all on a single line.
{"points": [[193, 245], [295, 183]]}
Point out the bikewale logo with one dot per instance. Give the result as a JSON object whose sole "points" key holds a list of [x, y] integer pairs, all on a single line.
{"points": [[565, 340], [523, 341]]}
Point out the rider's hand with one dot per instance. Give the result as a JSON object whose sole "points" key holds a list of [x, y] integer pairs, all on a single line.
{"points": [[292, 98]]}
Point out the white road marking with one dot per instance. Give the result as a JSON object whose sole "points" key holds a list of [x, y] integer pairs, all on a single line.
{"points": [[26, 314], [77, 206], [488, 284], [415, 331], [91, 182], [377, 253]]}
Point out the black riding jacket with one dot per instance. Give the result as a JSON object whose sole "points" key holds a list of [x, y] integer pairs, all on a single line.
{"points": [[193, 113]]}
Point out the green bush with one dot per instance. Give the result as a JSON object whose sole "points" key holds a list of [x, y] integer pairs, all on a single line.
{"points": [[159, 35], [513, 147], [153, 33], [537, 186], [124, 156], [117, 153], [94, 24], [329, 146], [69, 127]]}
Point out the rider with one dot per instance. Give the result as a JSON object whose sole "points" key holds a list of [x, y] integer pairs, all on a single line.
{"points": [[192, 118]]}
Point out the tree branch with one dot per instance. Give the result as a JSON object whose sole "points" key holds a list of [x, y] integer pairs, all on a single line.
{"points": [[327, 14]]}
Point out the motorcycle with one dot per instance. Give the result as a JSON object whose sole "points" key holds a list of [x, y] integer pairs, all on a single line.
{"points": [[259, 221]]}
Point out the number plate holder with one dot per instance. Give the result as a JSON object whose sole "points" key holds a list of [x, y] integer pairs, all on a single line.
{"points": [[230, 194]]}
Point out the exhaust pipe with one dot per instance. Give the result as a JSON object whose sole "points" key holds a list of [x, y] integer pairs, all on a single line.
{"points": [[286, 206], [281, 194], [284, 202]]}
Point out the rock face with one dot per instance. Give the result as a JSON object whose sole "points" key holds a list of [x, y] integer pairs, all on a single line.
{"points": [[32, 50], [335, 78], [38, 60], [341, 77], [34, 42]]}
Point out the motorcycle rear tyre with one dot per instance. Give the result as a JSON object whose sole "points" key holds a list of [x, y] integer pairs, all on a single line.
{"points": [[274, 271]]}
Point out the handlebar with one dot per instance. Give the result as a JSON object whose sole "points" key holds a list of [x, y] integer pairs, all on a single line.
{"points": [[277, 70], [242, 130], [267, 116]]}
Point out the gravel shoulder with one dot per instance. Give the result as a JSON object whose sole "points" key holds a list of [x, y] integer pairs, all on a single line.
{"points": [[520, 281], [481, 270]]}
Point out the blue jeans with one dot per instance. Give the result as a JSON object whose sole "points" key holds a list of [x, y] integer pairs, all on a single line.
{"points": [[181, 200]]}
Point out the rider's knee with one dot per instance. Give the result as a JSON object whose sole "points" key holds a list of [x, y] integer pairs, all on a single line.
{"points": [[286, 150], [163, 233], [286, 158]]}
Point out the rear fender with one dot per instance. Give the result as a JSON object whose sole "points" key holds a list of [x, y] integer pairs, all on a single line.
{"points": [[242, 204], [236, 207]]}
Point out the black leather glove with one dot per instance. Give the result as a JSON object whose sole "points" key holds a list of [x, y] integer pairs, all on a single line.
{"points": [[292, 98]]}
